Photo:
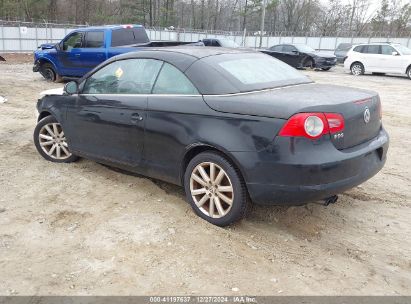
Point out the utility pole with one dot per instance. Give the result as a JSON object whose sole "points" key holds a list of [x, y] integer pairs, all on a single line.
{"points": [[262, 23]]}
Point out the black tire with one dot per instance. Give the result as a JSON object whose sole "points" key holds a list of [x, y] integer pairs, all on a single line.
{"points": [[240, 201], [357, 69], [37, 141], [308, 63], [326, 69], [48, 72], [409, 72]]}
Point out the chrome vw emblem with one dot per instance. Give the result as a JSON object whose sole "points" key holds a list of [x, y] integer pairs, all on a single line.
{"points": [[367, 115]]}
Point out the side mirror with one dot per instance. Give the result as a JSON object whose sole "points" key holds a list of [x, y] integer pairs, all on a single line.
{"points": [[295, 52], [71, 88], [395, 54]]}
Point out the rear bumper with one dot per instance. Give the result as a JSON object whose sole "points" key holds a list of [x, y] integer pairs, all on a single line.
{"points": [[294, 174]]}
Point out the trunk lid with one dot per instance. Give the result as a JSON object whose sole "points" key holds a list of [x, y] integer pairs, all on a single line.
{"points": [[287, 101]]}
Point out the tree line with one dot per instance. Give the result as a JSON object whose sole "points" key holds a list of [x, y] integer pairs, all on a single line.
{"points": [[331, 17]]}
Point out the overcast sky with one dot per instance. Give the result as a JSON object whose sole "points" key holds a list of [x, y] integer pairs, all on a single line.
{"points": [[374, 4]]}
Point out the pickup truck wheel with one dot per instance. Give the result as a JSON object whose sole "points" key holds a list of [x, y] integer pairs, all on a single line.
{"points": [[50, 141], [48, 72], [215, 189]]}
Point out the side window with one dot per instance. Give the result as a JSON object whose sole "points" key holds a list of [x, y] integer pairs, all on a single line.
{"points": [[373, 49], [73, 41], [173, 81], [289, 48], [216, 43], [387, 50], [277, 48], [128, 36], [130, 76], [206, 42], [94, 39], [359, 49]]}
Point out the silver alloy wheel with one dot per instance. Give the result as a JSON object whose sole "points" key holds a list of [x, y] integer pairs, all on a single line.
{"points": [[211, 189], [53, 141], [356, 69]]}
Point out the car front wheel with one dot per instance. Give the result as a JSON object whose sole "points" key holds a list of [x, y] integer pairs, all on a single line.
{"points": [[357, 69], [48, 72], [409, 72], [308, 63], [215, 189], [51, 142]]}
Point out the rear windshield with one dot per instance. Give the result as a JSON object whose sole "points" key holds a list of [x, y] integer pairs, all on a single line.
{"points": [[257, 71], [128, 36]]}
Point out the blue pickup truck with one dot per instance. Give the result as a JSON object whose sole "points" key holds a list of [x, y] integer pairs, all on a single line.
{"points": [[85, 48]]}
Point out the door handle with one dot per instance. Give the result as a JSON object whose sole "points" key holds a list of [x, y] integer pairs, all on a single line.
{"points": [[77, 55], [135, 117]]}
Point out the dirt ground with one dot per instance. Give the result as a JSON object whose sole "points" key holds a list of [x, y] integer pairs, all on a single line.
{"points": [[85, 229]]}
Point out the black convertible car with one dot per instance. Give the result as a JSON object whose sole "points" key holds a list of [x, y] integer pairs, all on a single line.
{"points": [[230, 126], [302, 56]]}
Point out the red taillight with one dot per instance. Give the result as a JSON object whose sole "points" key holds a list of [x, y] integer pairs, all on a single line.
{"points": [[127, 26], [297, 124], [335, 122], [313, 125]]}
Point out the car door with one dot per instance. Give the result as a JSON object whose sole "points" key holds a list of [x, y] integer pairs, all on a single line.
{"points": [[391, 63], [94, 51], [372, 58], [69, 54], [107, 120], [291, 55], [172, 117], [275, 51]]}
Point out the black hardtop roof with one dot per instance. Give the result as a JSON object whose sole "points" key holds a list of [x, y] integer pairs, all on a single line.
{"points": [[194, 51]]}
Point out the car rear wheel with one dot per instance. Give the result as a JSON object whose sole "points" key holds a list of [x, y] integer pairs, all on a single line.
{"points": [[326, 69], [357, 69], [215, 189], [51, 142], [409, 72]]}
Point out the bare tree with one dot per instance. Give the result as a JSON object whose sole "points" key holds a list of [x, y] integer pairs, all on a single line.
{"points": [[330, 17]]}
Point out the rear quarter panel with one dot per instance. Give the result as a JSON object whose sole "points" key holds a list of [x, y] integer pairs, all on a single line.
{"points": [[177, 124]]}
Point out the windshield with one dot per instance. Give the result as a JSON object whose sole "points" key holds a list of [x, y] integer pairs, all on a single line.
{"points": [[228, 43], [403, 49], [304, 48]]}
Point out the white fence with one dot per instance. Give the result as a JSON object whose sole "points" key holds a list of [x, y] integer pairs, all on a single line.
{"points": [[27, 37], [318, 43]]}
